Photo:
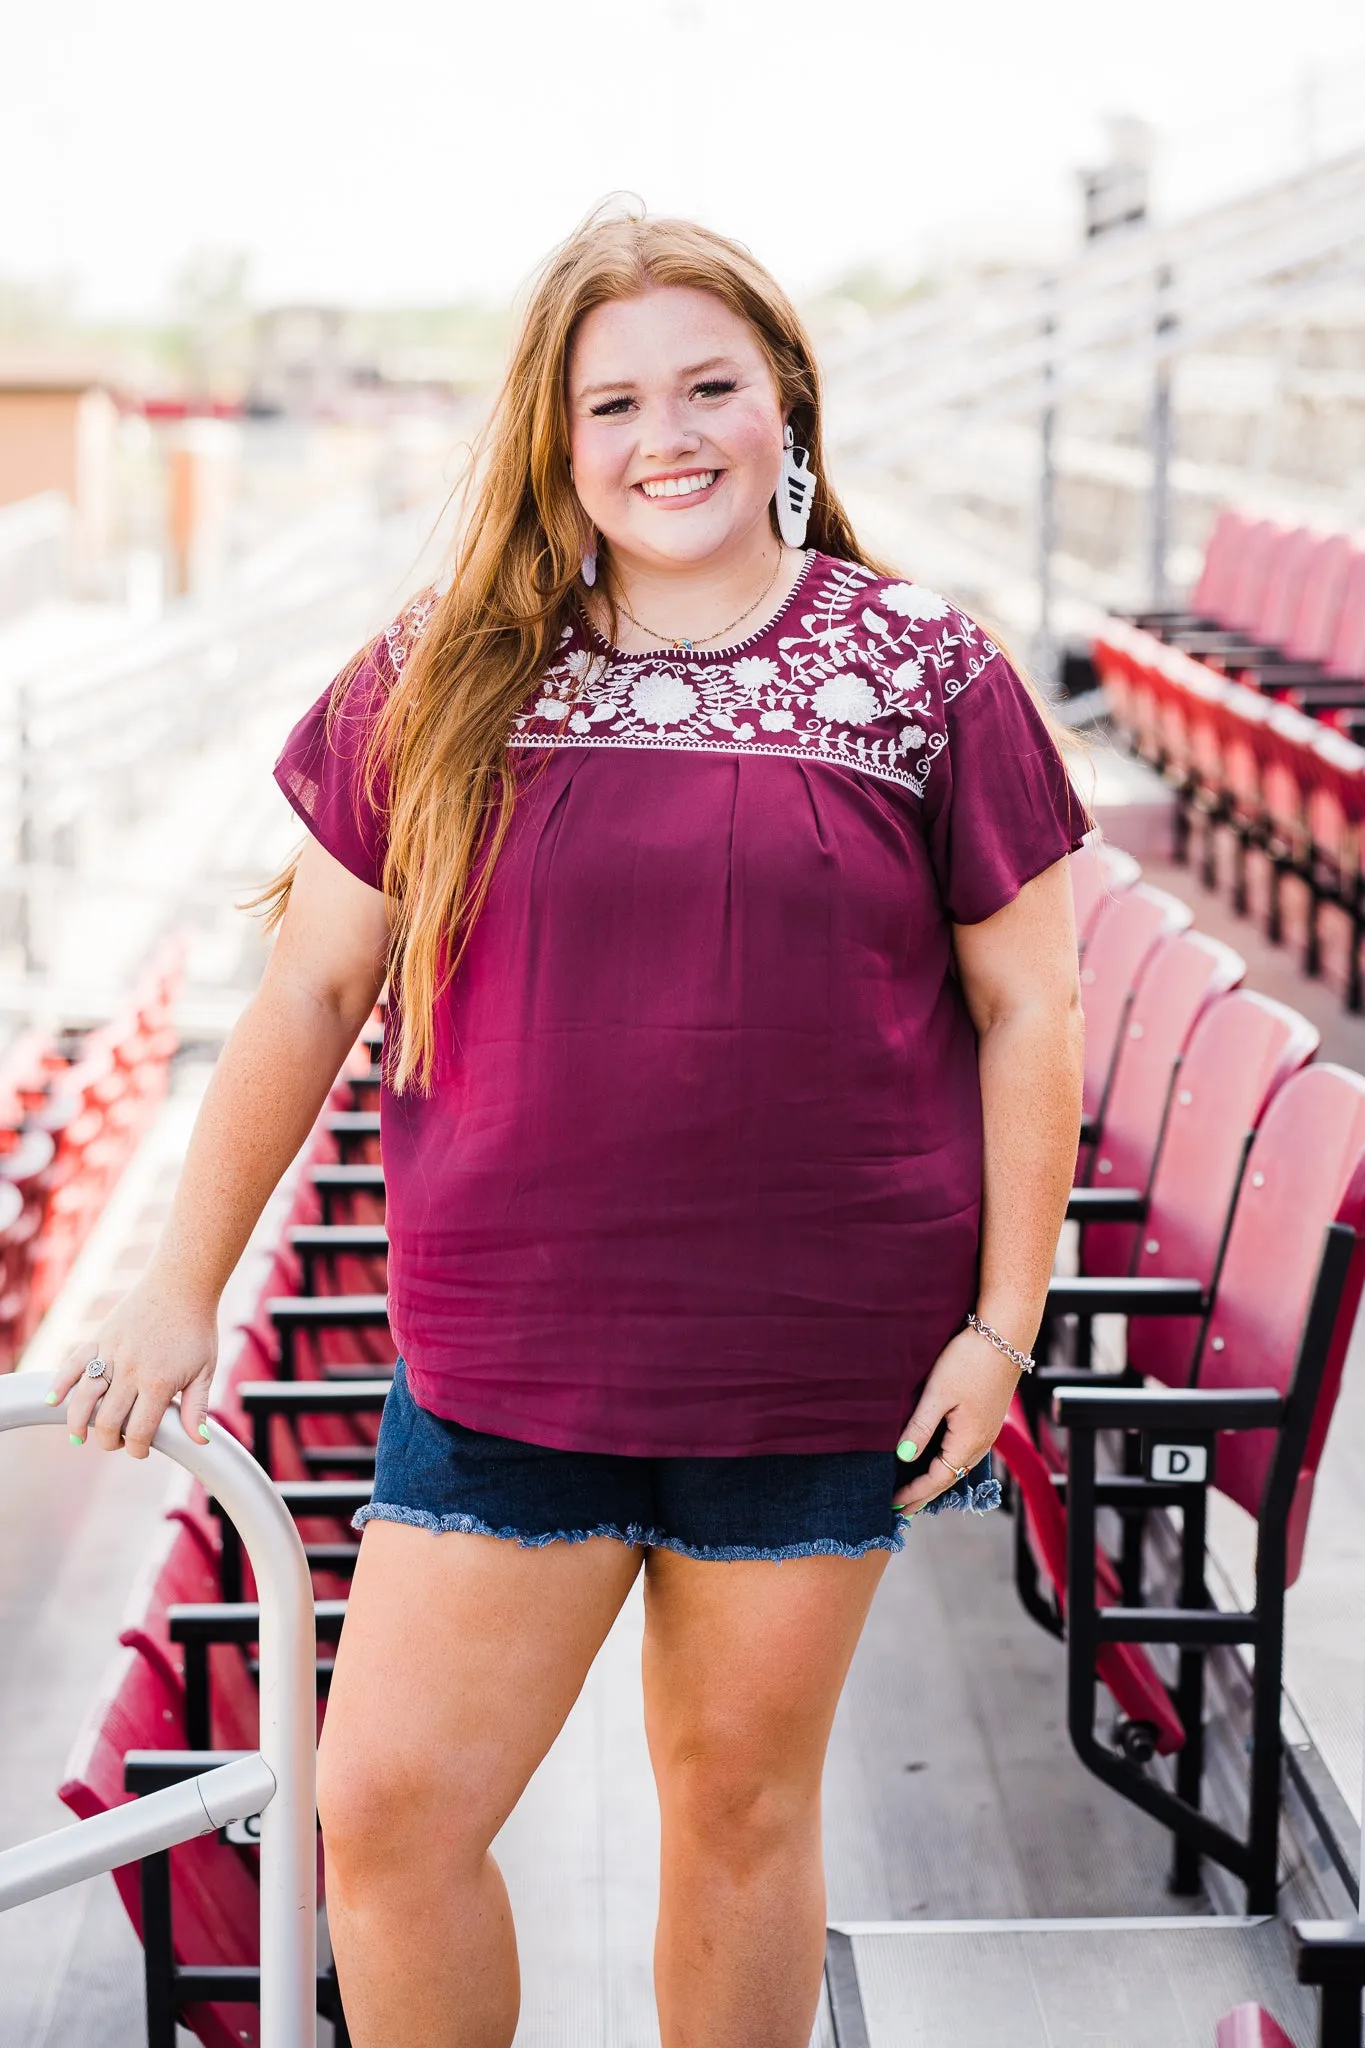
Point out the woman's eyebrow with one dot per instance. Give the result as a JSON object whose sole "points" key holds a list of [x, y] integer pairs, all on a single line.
{"points": [[628, 383]]}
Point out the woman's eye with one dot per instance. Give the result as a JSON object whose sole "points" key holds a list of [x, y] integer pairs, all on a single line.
{"points": [[609, 408], [716, 387]]}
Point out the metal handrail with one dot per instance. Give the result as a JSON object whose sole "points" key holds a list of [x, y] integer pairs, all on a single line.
{"points": [[277, 1782]]}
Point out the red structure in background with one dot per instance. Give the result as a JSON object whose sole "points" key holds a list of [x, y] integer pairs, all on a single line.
{"points": [[72, 1111]]}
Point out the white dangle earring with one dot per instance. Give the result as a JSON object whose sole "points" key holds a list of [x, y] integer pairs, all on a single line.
{"points": [[589, 567], [795, 489]]}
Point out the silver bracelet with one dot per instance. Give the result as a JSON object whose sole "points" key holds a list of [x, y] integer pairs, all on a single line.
{"points": [[1022, 1359]]}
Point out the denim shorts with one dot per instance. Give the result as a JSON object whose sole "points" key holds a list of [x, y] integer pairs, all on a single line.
{"points": [[436, 1474]]}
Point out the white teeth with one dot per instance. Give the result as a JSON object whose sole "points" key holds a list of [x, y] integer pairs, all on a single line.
{"points": [[678, 486]]}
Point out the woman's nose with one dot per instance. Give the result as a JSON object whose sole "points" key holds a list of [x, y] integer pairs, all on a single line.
{"points": [[666, 433]]}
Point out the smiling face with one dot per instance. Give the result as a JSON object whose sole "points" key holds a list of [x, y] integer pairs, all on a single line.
{"points": [[675, 428]]}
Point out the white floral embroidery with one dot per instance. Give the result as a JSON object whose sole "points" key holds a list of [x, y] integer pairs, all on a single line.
{"points": [[753, 671], [662, 699], [408, 628], [912, 601], [581, 666], [858, 677], [848, 698]]}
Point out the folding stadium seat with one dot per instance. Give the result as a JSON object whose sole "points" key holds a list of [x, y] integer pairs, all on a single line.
{"points": [[1272, 601], [1336, 813], [178, 1573], [1212, 598], [197, 1909], [1290, 769], [1241, 1051], [1185, 974], [1237, 1059], [1252, 1424], [1122, 939], [207, 1889], [14, 1272], [1340, 680], [1250, 2026], [1308, 642], [1098, 874]]}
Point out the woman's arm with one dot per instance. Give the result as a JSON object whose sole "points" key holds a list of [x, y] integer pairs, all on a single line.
{"points": [[1019, 975], [324, 973]]}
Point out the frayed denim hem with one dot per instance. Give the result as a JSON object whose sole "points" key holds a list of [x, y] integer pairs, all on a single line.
{"points": [[470, 1525], [971, 1500], [633, 1536], [745, 1553]]}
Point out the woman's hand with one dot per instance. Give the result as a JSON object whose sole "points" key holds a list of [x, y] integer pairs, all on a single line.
{"points": [[972, 1384], [156, 1344]]}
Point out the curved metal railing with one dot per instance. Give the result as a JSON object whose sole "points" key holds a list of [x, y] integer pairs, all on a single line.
{"points": [[277, 1782]]}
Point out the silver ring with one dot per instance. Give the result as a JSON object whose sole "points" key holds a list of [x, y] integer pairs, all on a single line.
{"points": [[97, 1369]]}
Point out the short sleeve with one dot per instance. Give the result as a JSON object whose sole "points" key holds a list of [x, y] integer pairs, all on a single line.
{"points": [[1000, 805], [322, 767]]}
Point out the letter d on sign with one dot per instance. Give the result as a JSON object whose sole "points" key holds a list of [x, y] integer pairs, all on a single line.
{"points": [[1189, 1462]]}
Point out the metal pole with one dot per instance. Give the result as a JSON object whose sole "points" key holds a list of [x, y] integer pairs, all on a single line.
{"points": [[1044, 652], [27, 834], [288, 1706], [1160, 513]]}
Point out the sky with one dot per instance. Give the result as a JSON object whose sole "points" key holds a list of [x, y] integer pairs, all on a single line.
{"points": [[402, 152]]}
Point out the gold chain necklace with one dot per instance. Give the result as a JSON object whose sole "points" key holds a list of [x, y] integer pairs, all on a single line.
{"points": [[686, 646]]}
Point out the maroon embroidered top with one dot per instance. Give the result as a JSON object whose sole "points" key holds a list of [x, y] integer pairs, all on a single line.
{"points": [[699, 1172]]}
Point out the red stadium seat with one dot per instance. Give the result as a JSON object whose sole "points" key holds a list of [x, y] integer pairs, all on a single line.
{"points": [[1124, 937], [1250, 2026], [213, 1887], [1252, 1425], [1183, 977], [1240, 1055], [1098, 874]]}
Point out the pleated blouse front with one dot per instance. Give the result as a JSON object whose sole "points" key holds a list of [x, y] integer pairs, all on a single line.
{"points": [[699, 1170]]}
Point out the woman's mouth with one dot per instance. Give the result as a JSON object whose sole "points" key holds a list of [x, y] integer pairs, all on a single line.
{"points": [[682, 489]]}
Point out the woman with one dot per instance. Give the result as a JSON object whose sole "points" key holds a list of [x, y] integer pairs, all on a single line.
{"points": [[732, 1059]]}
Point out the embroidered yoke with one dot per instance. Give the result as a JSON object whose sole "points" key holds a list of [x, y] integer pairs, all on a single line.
{"points": [[699, 1171]]}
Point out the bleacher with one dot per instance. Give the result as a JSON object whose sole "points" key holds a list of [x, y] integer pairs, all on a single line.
{"points": [[73, 1109], [1251, 704]]}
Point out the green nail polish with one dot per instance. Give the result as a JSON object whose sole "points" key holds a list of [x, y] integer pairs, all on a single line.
{"points": [[51, 1400], [907, 1449], [204, 1431], [76, 1440]]}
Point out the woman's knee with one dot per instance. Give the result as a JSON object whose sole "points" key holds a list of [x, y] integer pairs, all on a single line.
{"points": [[739, 1810], [383, 1805]]}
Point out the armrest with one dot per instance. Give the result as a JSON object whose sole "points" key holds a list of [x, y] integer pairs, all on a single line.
{"points": [[1053, 1376], [329, 1498], [152, 1770], [1106, 1205], [364, 1177], [1330, 1951], [1214, 640], [353, 1123], [313, 1397], [1308, 682], [1092, 1407], [322, 1238], [1093, 1295], [328, 1311], [239, 1621]]}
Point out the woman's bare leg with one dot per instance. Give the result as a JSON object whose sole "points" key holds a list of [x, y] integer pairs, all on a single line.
{"points": [[460, 1659], [744, 1664]]}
